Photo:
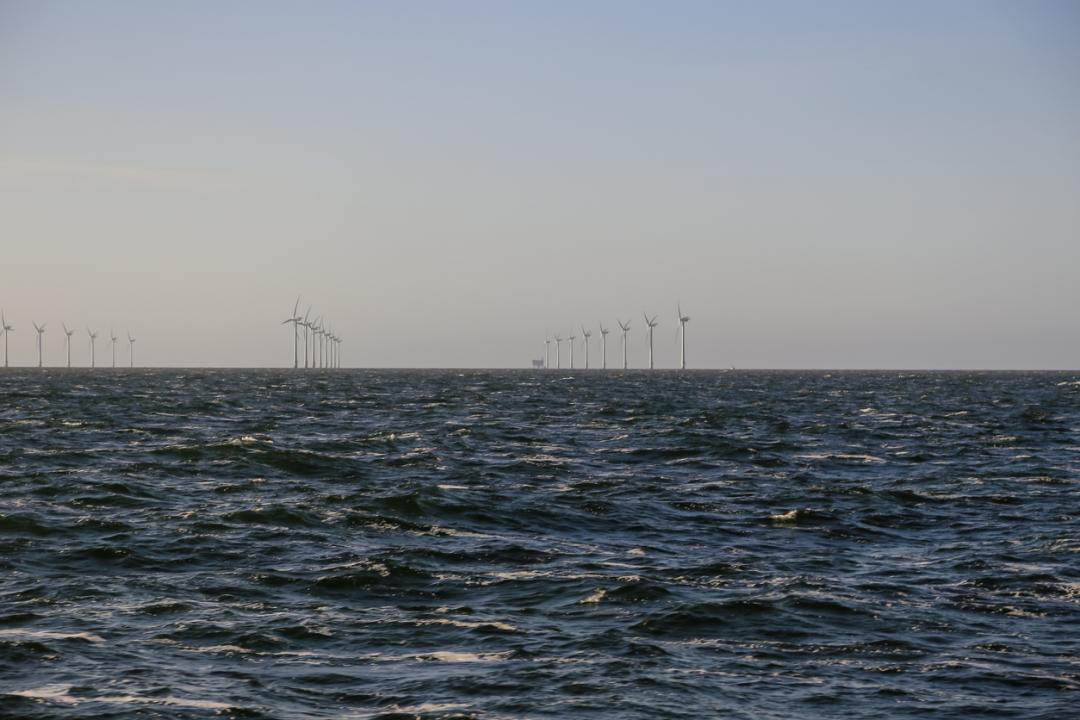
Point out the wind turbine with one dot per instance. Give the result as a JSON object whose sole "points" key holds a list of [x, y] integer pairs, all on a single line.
{"points": [[570, 340], [112, 336], [295, 320], [93, 343], [603, 346], [625, 329], [651, 323], [131, 350], [547, 353], [324, 352], [307, 327], [67, 342], [683, 319], [316, 343], [40, 340], [330, 347], [587, 335], [6, 330], [558, 352]]}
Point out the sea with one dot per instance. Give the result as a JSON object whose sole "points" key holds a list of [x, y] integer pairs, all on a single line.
{"points": [[393, 544]]}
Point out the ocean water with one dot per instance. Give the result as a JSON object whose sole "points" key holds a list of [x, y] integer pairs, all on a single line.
{"points": [[402, 544]]}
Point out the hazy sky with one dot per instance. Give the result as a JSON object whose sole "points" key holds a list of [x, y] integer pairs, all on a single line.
{"points": [[855, 184]]}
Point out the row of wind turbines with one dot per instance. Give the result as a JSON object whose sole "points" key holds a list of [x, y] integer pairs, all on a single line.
{"points": [[6, 331], [325, 345], [624, 327]]}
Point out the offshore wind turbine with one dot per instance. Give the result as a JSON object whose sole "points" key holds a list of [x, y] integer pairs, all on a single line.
{"points": [[40, 340], [131, 350], [570, 340], [603, 346], [558, 352], [307, 327], [324, 351], [6, 330], [295, 320], [587, 335], [683, 319], [651, 323], [93, 342], [547, 353], [316, 344], [67, 342], [330, 348], [625, 329], [113, 338]]}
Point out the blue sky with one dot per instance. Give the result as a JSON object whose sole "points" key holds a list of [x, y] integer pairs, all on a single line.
{"points": [[819, 184]]}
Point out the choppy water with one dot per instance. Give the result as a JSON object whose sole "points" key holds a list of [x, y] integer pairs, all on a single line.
{"points": [[532, 545]]}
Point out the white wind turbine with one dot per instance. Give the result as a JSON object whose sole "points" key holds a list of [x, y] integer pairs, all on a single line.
{"points": [[570, 341], [547, 352], [113, 338], [316, 343], [558, 352], [625, 329], [296, 321], [6, 330], [40, 340], [67, 342], [327, 334], [683, 319], [307, 328], [93, 344], [603, 346], [330, 348], [131, 350], [651, 323], [586, 335]]}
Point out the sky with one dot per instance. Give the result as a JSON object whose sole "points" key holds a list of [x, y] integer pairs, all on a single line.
{"points": [[819, 185]]}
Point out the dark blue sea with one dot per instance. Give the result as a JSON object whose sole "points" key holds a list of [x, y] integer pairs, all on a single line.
{"points": [[553, 544]]}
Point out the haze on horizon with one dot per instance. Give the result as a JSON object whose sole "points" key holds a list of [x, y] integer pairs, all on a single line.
{"points": [[821, 185]]}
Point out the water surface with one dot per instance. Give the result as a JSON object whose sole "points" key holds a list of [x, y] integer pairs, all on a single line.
{"points": [[397, 544]]}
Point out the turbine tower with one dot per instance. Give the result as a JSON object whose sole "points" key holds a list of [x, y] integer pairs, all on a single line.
{"points": [[586, 335], [603, 346], [570, 340], [625, 329], [651, 323], [6, 330], [683, 319], [40, 340], [113, 338], [131, 350], [67, 342], [547, 353], [93, 343], [558, 352], [295, 320]]}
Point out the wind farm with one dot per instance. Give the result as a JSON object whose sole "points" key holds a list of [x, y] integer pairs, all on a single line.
{"points": [[325, 344], [624, 329], [317, 344]]}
